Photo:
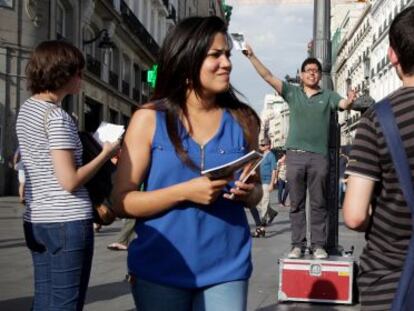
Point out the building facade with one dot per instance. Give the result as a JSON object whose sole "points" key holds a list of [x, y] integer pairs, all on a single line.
{"points": [[383, 77], [275, 120], [360, 57], [120, 40]]}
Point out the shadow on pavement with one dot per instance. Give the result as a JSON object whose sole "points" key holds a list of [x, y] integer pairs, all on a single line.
{"points": [[19, 244], [22, 303], [107, 291], [95, 293]]}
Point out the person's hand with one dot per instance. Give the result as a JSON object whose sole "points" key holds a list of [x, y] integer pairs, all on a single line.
{"points": [[248, 51], [240, 192], [111, 149], [271, 187], [244, 186], [202, 190]]}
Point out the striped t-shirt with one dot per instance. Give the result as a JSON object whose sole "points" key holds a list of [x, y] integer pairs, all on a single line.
{"points": [[388, 235], [46, 200]]}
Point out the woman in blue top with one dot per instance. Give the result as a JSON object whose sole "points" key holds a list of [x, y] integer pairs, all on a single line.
{"points": [[192, 250]]}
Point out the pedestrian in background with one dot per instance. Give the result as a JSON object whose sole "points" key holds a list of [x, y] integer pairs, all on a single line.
{"points": [[125, 236], [19, 167], [58, 217], [192, 250], [307, 149], [282, 184], [268, 178], [374, 201], [343, 163]]}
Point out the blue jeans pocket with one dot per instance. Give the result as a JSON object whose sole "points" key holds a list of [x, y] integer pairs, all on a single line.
{"points": [[54, 237], [47, 236], [79, 235], [31, 242]]}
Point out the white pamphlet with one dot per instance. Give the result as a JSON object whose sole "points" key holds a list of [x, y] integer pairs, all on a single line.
{"points": [[238, 40], [229, 168], [108, 132]]}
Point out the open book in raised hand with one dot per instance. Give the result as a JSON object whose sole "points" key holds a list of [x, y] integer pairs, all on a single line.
{"points": [[232, 167], [108, 132]]}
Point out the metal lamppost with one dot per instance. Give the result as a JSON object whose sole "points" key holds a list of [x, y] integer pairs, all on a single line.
{"points": [[322, 51], [364, 101], [105, 43], [322, 39]]}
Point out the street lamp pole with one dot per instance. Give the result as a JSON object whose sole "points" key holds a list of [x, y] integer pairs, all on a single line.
{"points": [[322, 51], [322, 39]]}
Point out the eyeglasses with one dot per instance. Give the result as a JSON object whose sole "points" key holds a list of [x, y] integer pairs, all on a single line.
{"points": [[310, 70]]}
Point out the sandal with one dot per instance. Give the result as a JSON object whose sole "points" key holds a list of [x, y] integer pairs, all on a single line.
{"points": [[117, 247], [260, 232]]}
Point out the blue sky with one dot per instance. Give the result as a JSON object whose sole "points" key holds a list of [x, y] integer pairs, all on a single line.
{"points": [[279, 34]]}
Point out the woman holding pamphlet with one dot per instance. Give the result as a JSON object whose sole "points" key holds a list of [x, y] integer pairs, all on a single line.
{"points": [[192, 250], [58, 216]]}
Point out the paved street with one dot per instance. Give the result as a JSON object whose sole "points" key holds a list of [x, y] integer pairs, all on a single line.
{"points": [[109, 291]]}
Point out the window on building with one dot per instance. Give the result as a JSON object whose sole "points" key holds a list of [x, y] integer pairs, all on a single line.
{"points": [[136, 91], [126, 68], [89, 34], [125, 120], [113, 116], [126, 74], [60, 21], [7, 4]]}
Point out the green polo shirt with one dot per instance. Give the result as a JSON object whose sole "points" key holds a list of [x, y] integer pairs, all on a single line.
{"points": [[309, 118]]}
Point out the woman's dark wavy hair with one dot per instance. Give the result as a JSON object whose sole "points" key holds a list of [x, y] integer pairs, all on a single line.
{"points": [[401, 36], [182, 54], [52, 65]]}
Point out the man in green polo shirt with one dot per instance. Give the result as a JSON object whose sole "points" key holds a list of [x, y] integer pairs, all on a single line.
{"points": [[307, 149]]}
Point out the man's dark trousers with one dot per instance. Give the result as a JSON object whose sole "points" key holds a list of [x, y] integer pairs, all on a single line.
{"points": [[307, 170]]}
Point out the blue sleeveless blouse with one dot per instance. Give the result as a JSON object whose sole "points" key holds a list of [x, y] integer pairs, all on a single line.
{"points": [[192, 245]]}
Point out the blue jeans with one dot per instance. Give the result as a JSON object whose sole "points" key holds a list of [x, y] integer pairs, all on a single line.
{"points": [[150, 296], [282, 191], [62, 258]]}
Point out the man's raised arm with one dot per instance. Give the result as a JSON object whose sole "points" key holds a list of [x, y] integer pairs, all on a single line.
{"points": [[265, 73]]}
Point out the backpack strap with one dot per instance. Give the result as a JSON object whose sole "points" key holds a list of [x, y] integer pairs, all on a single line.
{"points": [[403, 299]]}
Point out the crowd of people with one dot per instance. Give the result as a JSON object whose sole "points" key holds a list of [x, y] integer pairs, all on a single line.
{"points": [[192, 244]]}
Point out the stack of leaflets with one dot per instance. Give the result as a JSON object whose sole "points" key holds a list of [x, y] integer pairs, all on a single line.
{"points": [[108, 132], [226, 170]]}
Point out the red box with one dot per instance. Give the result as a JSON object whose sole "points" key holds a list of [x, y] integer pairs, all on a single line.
{"points": [[328, 280]]}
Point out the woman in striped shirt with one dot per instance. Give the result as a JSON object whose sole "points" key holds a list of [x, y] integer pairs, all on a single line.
{"points": [[58, 217]]}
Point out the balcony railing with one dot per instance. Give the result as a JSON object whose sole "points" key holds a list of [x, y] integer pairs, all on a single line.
{"points": [[138, 29], [125, 88], [113, 80], [93, 65]]}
